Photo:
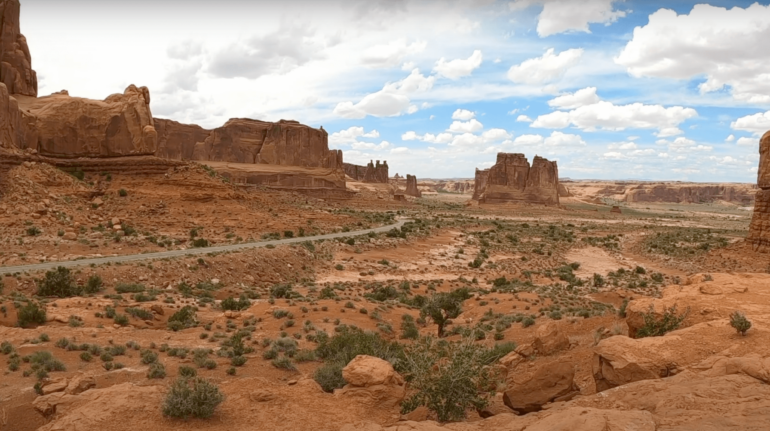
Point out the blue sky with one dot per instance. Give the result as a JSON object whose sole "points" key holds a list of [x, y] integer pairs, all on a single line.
{"points": [[674, 90]]}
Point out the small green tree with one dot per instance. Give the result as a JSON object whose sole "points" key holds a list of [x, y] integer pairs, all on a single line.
{"points": [[31, 314], [94, 284], [58, 282], [192, 397], [739, 321], [184, 318], [442, 307]]}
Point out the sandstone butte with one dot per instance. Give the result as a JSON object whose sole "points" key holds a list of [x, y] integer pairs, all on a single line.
{"points": [[371, 173], [411, 186], [759, 230], [512, 180]]}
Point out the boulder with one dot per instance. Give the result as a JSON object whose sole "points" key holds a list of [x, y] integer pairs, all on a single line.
{"points": [[80, 384], [550, 382], [549, 339], [620, 360], [372, 382]]}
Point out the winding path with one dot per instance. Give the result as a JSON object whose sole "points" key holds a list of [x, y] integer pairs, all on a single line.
{"points": [[191, 251]]}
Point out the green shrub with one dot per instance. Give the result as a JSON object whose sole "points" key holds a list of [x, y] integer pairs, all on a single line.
{"points": [[200, 243], [282, 291], [623, 306], [527, 321], [33, 231], [669, 321], [409, 330], [149, 357], [449, 378], [232, 304], [187, 371], [31, 314], [184, 318], [122, 193], [284, 363], [442, 307], [94, 284], [288, 234], [192, 397], [156, 371], [121, 319], [329, 376], [139, 313], [129, 288], [86, 357], [59, 283], [739, 321]]}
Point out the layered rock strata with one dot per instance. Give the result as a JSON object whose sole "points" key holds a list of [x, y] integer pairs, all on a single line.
{"points": [[480, 183], [411, 186], [512, 179], [759, 229], [370, 173]]}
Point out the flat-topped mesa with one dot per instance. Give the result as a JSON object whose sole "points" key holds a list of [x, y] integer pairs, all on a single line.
{"points": [[15, 60], [512, 179], [370, 173], [411, 186], [285, 143], [759, 229]]}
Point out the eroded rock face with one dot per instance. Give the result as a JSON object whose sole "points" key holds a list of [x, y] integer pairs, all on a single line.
{"points": [[177, 140], [411, 186], [15, 60], [512, 179], [370, 173], [759, 230], [480, 183], [551, 382], [70, 127]]}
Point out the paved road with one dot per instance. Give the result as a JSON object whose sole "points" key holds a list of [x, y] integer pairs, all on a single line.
{"points": [[190, 252]]}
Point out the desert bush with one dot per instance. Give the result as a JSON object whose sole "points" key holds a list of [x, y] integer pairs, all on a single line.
{"points": [[184, 318], [94, 284], [122, 193], [187, 371], [442, 307], [59, 283], [33, 231], [156, 371], [409, 330], [329, 376], [232, 304], [129, 288], [31, 314], [282, 291], [739, 321], [283, 362], [449, 378], [139, 313], [668, 322], [192, 397], [121, 319]]}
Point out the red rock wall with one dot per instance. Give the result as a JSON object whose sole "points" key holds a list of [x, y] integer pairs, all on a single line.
{"points": [[176, 141], [759, 229], [15, 60], [370, 173], [512, 179], [480, 183]]}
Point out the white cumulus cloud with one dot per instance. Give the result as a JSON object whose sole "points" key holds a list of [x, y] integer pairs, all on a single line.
{"points": [[608, 116], [544, 69], [523, 119], [350, 135], [466, 126], [756, 123], [391, 101], [586, 96], [559, 16], [456, 69], [748, 141], [724, 44], [463, 114]]}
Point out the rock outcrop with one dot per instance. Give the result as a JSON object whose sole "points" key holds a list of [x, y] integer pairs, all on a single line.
{"points": [[15, 60], [69, 127], [373, 382], [480, 183], [551, 382], [512, 179], [759, 229], [687, 193], [411, 186], [176, 140], [370, 173]]}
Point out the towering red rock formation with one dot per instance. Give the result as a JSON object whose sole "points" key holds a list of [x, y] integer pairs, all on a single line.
{"points": [[512, 179], [759, 229], [15, 61], [370, 173], [411, 186], [480, 183]]}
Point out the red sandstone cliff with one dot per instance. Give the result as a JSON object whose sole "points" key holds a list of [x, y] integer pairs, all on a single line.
{"points": [[512, 179], [759, 229], [370, 173], [411, 186], [15, 60]]}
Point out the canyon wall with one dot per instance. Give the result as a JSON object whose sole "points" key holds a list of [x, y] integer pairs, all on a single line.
{"points": [[370, 173], [512, 179], [759, 229], [480, 183], [690, 193]]}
